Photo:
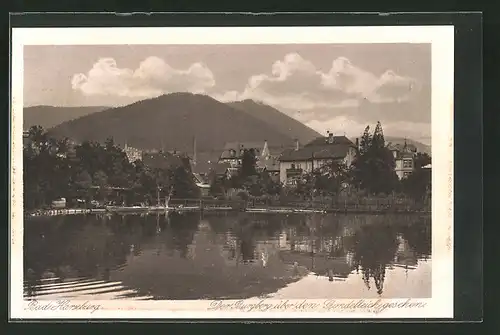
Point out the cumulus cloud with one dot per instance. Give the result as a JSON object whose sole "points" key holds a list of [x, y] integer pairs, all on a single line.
{"points": [[295, 82], [153, 77]]}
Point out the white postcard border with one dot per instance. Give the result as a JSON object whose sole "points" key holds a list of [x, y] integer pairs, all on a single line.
{"points": [[441, 303]]}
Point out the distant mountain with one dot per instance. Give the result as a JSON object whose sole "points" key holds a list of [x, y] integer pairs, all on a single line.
{"points": [[171, 121], [400, 140], [50, 116], [280, 121]]}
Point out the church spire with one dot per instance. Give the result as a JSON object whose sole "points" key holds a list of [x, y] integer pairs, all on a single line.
{"points": [[265, 151]]}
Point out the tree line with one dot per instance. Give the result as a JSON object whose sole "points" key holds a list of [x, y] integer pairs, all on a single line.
{"points": [[95, 171]]}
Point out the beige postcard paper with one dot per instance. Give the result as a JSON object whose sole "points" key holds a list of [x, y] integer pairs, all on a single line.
{"points": [[236, 172]]}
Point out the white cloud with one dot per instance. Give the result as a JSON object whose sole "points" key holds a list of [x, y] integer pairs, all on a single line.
{"points": [[341, 125], [153, 77], [296, 83]]}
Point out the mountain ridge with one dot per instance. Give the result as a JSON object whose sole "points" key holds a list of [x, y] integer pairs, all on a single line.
{"points": [[172, 121], [280, 121], [51, 116], [268, 123]]}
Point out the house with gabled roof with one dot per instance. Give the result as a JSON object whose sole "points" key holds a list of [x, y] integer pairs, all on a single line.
{"points": [[404, 158], [321, 151]]}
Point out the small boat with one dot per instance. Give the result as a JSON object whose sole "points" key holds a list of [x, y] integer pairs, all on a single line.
{"points": [[309, 211], [59, 203], [157, 208]]}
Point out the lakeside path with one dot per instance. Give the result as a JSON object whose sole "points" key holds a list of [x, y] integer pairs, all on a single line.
{"points": [[264, 210]]}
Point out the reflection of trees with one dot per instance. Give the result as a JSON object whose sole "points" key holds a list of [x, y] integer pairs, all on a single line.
{"points": [[77, 246], [418, 235], [374, 247], [246, 237], [181, 232]]}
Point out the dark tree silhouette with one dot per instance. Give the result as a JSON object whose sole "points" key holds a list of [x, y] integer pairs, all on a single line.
{"points": [[373, 168]]}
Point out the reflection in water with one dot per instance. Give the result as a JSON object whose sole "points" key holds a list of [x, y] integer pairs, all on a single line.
{"points": [[191, 256], [374, 247]]}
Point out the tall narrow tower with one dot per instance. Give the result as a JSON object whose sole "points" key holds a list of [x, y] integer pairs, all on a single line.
{"points": [[194, 150], [265, 151]]}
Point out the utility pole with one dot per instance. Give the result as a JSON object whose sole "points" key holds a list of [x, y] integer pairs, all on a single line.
{"points": [[157, 195]]}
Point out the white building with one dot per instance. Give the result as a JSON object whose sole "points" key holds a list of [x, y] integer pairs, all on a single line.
{"points": [[321, 151], [404, 157], [133, 154]]}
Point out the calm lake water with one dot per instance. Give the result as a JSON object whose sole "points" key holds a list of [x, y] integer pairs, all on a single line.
{"points": [[194, 256]]}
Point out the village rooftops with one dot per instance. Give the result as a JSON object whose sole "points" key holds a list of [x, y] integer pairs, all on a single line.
{"points": [[331, 147], [232, 150]]}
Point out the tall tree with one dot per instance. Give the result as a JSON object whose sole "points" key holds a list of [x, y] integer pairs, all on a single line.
{"points": [[418, 184], [333, 177], [366, 141], [422, 159], [378, 140], [248, 164], [373, 169], [100, 179], [183, 185]]}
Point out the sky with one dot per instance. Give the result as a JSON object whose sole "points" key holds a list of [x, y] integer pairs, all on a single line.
{"points": [[340, 88]]}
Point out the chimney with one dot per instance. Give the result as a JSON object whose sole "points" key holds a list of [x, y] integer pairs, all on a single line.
{"points": [[330, 137], [297, 145]]}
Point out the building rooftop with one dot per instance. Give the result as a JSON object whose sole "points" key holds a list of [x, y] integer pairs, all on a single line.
{"points": [[402, 147], [232, 149], [330, 140], [319, 150]]}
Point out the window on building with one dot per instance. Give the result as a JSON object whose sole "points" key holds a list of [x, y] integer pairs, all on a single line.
{"points": [[407, 164], [293, 166], [406, 174]]}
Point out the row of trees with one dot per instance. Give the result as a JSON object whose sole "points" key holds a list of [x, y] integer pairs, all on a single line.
{"points": [[50, 172], [92, 170]]}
